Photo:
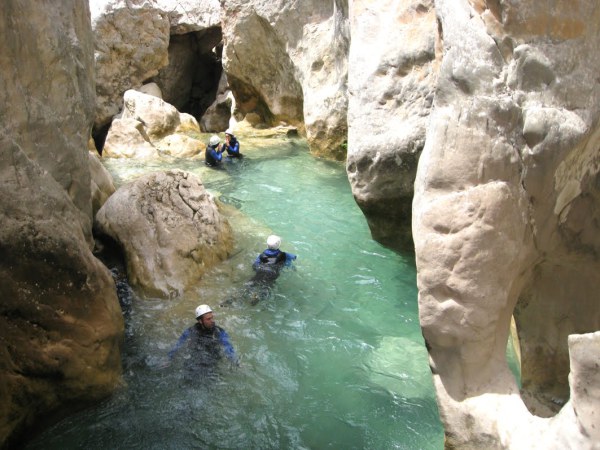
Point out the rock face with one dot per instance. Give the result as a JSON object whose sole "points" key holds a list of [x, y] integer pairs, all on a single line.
{"points": [[391, 86], [102, 182], [131, 40], [172, 44], [60, 320], [306, 45], [170, 230], [505, 221]]}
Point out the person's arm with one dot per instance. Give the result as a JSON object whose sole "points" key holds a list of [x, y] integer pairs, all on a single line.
{"points": [[235, 149], [256, 262], [179, 343], [289, 257], [227, 347]]}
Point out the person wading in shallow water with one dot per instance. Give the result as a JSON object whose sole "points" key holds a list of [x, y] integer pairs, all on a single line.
{"points": [[231, 145], [214, 152], [206, 342]]}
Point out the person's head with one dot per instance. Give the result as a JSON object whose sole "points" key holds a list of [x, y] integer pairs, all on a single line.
{"points": [[229, 133], [273, 242], [214, 140], [205, 317]]}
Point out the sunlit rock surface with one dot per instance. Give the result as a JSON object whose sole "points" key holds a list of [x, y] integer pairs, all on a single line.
{"points": [[306, 46], [170, 230], [60, 320], [505, 220], [131, 45], [391, 87], [149, 127]]}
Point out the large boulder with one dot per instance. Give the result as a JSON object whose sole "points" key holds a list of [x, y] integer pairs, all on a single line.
{"points": [[170, 230], [149, 127], [60, 321], [505, 221]]}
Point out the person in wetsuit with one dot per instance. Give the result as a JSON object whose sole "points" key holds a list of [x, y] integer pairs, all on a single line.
{"points": [[206, 342], [214, 152], [232, 145], [267, 267]]}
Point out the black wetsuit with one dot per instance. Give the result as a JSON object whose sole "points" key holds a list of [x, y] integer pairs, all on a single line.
{"points": [[212, 157], [205, 347], [268, 266]]}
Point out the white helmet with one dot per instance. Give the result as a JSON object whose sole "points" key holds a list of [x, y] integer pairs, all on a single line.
{"points": [[201, 310], [229, 132], [214, 139], [273, 242]]}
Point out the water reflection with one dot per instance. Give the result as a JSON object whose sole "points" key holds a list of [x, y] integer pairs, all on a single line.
{"points": [[332, 358]]}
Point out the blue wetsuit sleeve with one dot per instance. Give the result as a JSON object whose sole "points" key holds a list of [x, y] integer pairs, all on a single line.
{"points": [[236, 148], [184, 337], [227, 347], [289, 257], [256, 262]]}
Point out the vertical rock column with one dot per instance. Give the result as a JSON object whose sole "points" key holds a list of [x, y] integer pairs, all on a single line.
{"points": [[60, 321], [394, 59], [505, 218]]}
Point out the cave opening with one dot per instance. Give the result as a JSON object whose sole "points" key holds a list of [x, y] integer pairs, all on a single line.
{"points": [[191, 80]]}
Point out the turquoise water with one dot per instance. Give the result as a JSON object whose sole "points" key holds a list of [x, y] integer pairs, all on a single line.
{"points": [[334, 358]]}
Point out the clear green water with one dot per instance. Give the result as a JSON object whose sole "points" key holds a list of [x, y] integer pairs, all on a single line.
{"points": [[333, 359]]}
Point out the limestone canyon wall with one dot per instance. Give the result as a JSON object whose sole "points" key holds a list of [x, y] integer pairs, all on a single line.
{"points": [[132, 40], [486, 112], [60, 320], [505, 220], [394, 60]]}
